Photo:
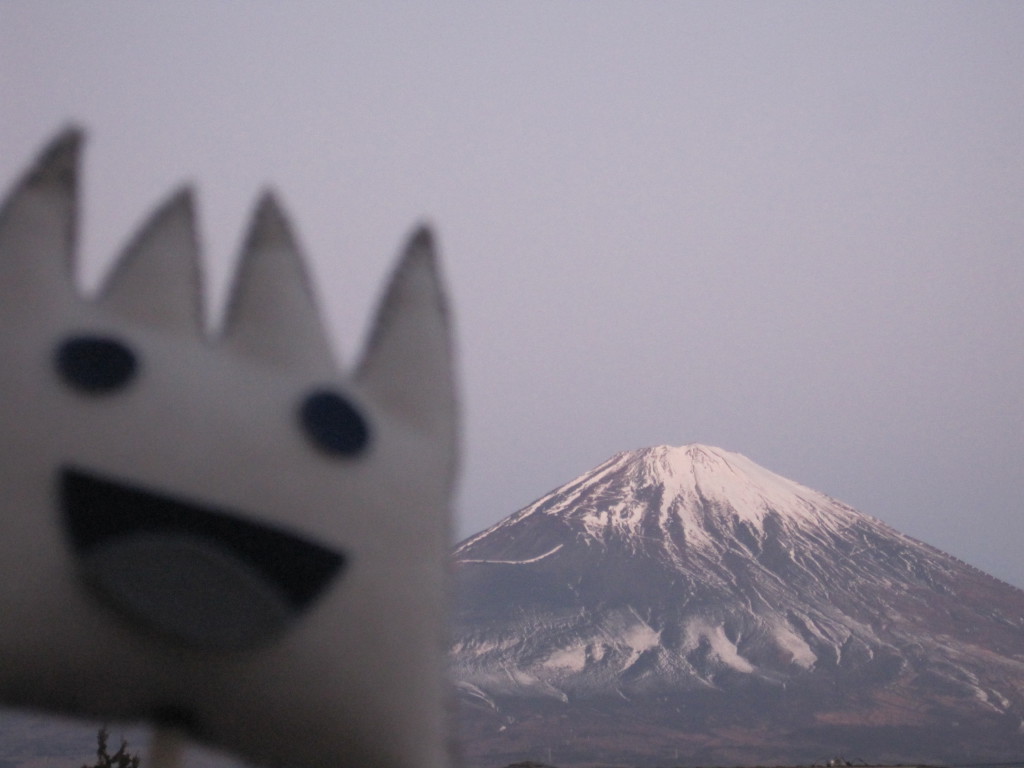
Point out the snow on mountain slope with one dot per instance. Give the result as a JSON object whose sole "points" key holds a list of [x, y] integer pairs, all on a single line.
{"points": [[693, 571]]}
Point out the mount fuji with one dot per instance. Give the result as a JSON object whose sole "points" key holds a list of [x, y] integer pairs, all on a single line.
{"points": [[687, 606]]}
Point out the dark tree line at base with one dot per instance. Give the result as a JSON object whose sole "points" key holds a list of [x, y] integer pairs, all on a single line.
{"points": [[122, 758]]}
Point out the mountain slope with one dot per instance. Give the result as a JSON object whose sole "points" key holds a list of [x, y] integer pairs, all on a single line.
{"points": [[703, 604]]}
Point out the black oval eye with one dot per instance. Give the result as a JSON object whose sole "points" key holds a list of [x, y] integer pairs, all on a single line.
{"points": [[96, 365], [333, 423]]}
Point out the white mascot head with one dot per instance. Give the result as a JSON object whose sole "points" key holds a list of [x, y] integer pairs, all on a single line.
{"points": [[225, 535]]}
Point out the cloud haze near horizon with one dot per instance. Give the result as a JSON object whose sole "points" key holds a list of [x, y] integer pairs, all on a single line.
{"points": [[790, 230]]}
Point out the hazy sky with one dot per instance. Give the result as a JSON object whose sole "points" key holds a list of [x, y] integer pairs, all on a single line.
{"points": [[791, 230]]}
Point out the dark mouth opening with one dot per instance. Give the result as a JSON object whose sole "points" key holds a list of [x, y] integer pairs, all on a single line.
{"points": [[204, 575]]}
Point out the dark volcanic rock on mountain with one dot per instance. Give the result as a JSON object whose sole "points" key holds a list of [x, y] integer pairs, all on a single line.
{"points": [[686, 606]]}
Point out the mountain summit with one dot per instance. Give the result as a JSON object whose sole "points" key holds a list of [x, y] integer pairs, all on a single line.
{"points": [[687, 605]]}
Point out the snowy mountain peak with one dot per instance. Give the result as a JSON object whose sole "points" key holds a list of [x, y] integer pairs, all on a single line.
{"points": [[715, 600], [654, 491], [724, 479]]}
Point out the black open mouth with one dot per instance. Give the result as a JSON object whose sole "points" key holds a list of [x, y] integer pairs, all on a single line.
{"points": [[200, 575]]}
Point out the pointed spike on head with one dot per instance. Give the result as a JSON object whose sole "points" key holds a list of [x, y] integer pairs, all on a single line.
{"points": [[408, 361], [272, 315], [38, 227], [57, 165], [156, 281]]}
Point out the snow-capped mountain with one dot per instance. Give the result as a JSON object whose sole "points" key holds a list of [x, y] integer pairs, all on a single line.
{"points": [[685, 605]]}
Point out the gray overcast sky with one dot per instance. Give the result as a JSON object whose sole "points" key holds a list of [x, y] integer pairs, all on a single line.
{"points": [[791, 230]]}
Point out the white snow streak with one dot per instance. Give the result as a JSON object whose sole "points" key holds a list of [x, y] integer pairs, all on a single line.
{"points": [[572, 659], [720, 645], [518, 562], [788, 640]]}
